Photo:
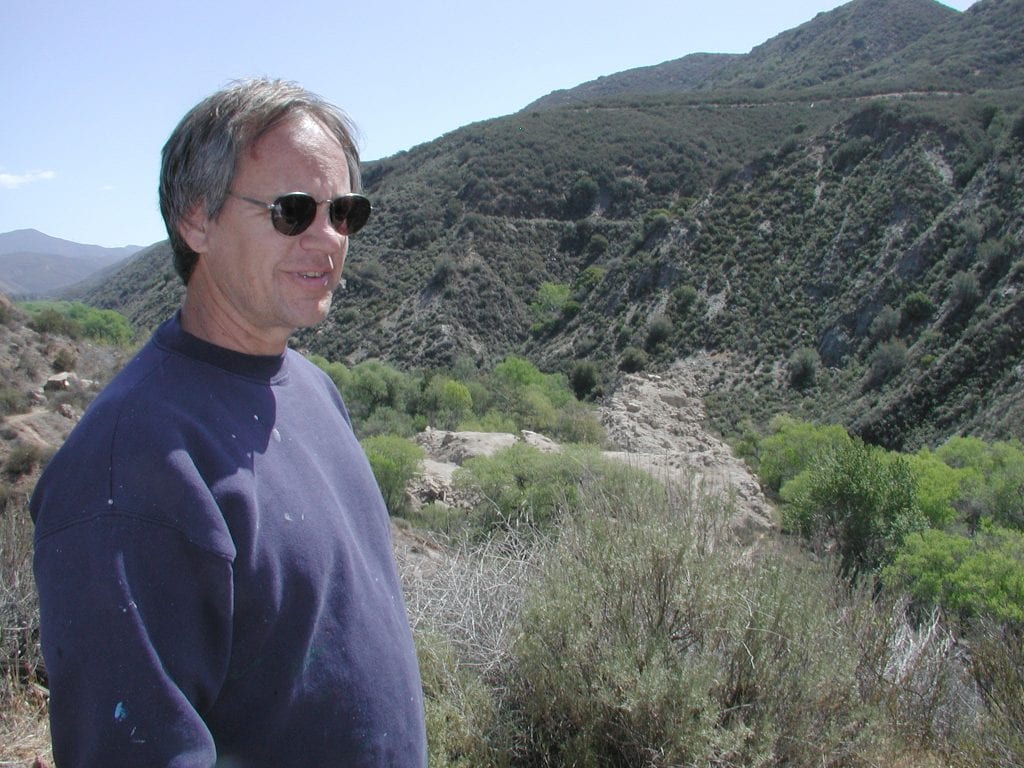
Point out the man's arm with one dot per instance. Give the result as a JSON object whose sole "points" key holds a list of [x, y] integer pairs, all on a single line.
{"points": [[136, 632]]}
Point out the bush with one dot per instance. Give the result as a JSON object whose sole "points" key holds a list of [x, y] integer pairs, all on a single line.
{"points": [[521, 487], [642, 645], [794, 446], [49, 320], [64, 360], [974, 578], [803, 368], [683, 299], [74, 320], [917, 307], [633, 360], [395, 462], [858, 498], [338, 373], [991, 479], [12, 401], [963, 291], [446, 403], [997, 665], [374, 384], [659, 331], [885, 324], [460, 710], [583, 378], [23, 459], [888, 359], [21, 662]]}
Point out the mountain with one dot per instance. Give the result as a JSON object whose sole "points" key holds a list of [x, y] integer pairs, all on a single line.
{"points": [[677, 76], [852, 39], [835, 217], [34, 264]]}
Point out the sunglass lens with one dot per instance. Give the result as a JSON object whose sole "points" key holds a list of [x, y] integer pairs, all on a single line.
{"points": [[292, 214], [350, 211]]}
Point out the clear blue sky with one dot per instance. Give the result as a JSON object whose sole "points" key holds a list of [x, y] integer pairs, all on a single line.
{"points": [[90, 90]]}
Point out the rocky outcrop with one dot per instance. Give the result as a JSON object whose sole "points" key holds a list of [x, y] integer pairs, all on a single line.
{"points": [[658, 423]]}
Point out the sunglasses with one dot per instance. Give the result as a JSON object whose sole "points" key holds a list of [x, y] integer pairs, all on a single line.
{"points": [[292, 214]]}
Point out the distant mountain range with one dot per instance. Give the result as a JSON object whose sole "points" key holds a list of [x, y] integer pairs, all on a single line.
{"points": [[36, 265], [836, 216]]}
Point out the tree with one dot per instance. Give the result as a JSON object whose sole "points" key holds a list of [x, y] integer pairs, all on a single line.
{"points": [[583, 378], [395, 462], [971, 578], [858, 498], [793, 447], [446, 402]]}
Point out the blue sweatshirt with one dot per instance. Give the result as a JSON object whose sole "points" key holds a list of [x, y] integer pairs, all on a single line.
{"points": [[215, 574]]}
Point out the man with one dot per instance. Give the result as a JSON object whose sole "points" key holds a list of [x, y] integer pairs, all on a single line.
{"points": [[212, 554]]}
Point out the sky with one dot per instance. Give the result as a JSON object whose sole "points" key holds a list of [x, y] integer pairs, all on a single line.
{"points": [[90, 91]]}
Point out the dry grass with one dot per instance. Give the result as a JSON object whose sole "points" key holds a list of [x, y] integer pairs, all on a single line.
{"points": [[24, 731], [473, 597]]}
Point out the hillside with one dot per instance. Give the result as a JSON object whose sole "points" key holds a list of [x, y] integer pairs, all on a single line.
{"points": [[838, 210]]}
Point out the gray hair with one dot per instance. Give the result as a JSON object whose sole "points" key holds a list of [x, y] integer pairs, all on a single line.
{"points": [[201, 155]]}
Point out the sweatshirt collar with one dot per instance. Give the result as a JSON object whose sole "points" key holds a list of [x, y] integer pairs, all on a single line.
{"points": [[268, 368]]}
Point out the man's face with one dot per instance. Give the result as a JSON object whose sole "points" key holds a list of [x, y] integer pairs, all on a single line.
{"points": [[252, 286]]}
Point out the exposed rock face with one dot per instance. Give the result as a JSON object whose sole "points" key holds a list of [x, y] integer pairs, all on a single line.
{"points": [[658, 421]]}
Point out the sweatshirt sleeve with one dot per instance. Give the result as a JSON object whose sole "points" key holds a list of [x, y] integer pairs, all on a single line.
{"points": [[136, 635]]}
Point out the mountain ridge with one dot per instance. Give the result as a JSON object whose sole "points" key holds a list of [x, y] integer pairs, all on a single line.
{"points": [[35, 264]]}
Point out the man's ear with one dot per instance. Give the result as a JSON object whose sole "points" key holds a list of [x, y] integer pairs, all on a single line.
{"points": [[194, 227]]}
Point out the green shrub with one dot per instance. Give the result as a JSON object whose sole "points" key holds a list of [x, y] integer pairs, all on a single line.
{"points": [[583, 378], [578, 423], [885, 324], [592, 276], [858, 498], [794, 446], [659, 331], [446, 402], [375, 384], [938, 487], [338, 373], [683, 299], [522, 487], [917, 306], [49, 320], [395, 462], [549, 301], [974, 578], [963, 290], [633, 360], [991, 479], [74, 319], [803, 368], [385, 420], [888, 359]]}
